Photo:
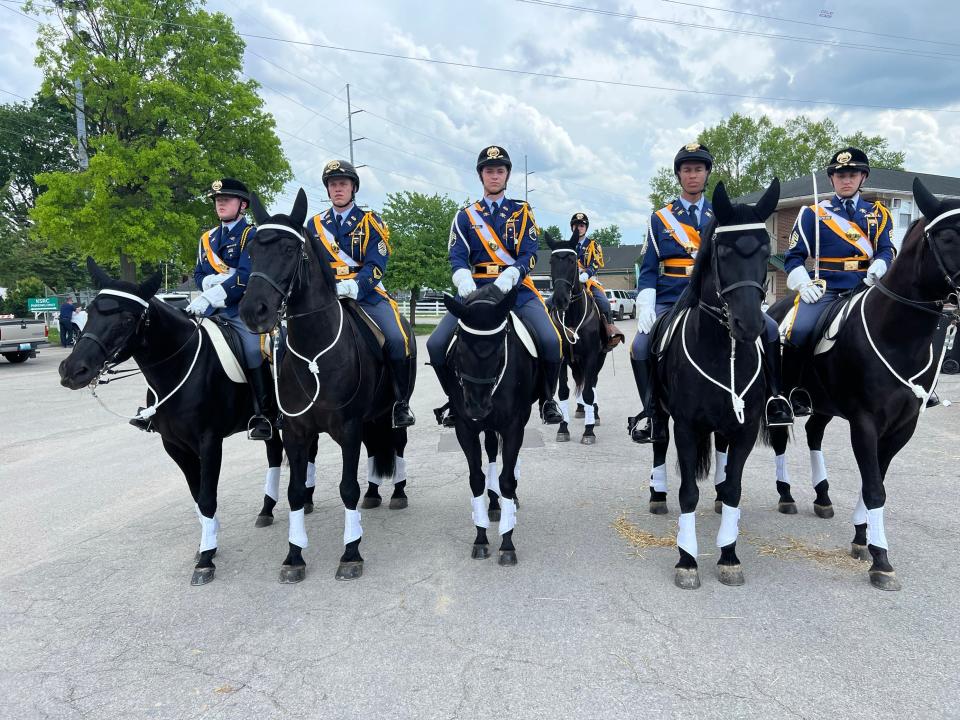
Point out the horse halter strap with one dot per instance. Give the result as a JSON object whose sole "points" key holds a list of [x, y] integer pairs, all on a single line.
{"points": [[950, 278], [495, 380], [93, 337], [720, 313], [285, 294]]}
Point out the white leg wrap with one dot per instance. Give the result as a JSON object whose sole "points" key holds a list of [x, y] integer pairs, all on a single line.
{"points": [[729, 526], [875, 533], [493, 478], [589, 417], [351, 526], [860, 511], [516, 470], [271, 483], [720, 471], [508, 515], [658, 478], [783, 475], [399, 470], [687, 533], [818, 467], [565, 409], [208, 532], [311, 475], [580, 398], [196, 509], [298, 529], [479, 513], [372, 474]]}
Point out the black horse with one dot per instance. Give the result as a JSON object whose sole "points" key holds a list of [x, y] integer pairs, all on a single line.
{"points": [[577, 317], [882, 368], [498, 380], [196, 404], [711, 369], [332, 377]]}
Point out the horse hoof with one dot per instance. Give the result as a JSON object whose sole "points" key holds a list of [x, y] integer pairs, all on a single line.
{"points": [[730, 574], [884, 580], [588, 440], [658, 507], [579, 412], [370, 501], [718, 507], [787, 508], [859, 552], [480, 552], [263, 521], [290, 574], [687, 578], [349, 570], [398, 503], [507, 557], [201, 576], [823, 511], [307, 508], [563, 437]]}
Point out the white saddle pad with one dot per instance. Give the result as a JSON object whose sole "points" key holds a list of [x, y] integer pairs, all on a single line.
{"points": [[523, 334], [830, 337], [231, 366], [668, 335]]}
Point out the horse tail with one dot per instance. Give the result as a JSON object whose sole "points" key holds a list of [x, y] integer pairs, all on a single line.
{"points": [[704, 455], [381, 443]]}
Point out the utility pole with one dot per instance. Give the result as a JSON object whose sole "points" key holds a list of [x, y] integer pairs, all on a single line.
{"points": [[526, 180], [350, 114], [78, 98]]}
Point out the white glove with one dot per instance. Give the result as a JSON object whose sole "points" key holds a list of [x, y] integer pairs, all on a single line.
{"points": [[216, 296], [198, 306], [584, 277], [217, 279], [646, 310], [463, 282], [507, 279], [799, 280], [876, 271], [348, 288]]}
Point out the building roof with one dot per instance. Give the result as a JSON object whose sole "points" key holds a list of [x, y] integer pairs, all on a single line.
{"points": [[880, 180], [620, 258]]}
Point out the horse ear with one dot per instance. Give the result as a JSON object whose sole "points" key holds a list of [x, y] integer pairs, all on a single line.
{"points": [[768, 202], [551, 243], [260, 216], [148, 288], [574, 237], [454, 306], [100, 278], [928, 204], [299, 212], [721, 203]]}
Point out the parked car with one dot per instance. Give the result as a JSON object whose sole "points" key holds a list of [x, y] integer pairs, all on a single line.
{"points": [[175, 299], [20, 338], [621, 304]]}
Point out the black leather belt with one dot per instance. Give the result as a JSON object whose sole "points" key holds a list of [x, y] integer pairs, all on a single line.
{"points": [[845, 265]]}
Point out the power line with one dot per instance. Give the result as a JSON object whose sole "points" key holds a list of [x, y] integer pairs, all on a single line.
{"points": [[533, 73]]}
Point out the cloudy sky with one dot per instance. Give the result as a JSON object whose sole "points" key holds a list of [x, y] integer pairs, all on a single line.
{"points": [[591, 146]]}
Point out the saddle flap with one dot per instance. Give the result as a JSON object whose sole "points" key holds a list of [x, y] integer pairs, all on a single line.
{"points": [[828, 326], [523, 333], [227, 346], [663, 330]]}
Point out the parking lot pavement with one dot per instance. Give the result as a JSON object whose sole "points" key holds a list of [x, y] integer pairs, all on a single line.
{"points": [[98, 620]]}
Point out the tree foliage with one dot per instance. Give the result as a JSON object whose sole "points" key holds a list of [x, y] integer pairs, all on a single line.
{"points": [[167, 113], [607, 236]]}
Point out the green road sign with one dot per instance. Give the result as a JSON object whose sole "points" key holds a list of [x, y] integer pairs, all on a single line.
{"points": [[49, 304]]}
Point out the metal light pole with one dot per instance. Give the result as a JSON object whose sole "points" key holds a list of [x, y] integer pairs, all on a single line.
{"points": [[526, 180], [350, 114]]}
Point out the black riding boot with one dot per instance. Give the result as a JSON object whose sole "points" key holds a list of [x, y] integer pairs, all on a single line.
{"points": [[778, 411], [614, 336], [261, 385], [402, 372], [550, 411], [445, 415], [792, 364], [655, 428]]}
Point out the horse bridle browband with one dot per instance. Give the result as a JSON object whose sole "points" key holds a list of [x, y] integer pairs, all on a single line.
{"points": [[494, 380], [721, 311], [143, 319], [941, 265], [284, 294]]}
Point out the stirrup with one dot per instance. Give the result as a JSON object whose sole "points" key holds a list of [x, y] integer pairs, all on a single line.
{"points": [[799, 408], [253, 425], [789, 412]]}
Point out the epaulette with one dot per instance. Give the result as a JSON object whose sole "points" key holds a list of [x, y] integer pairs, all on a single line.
{"points": [[243, 236]]}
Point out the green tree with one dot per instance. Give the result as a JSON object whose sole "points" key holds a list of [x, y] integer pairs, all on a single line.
{"points": [[16, 300], [167, 113], [553, 231], [419, 233], [663, 188], [608, 236]]}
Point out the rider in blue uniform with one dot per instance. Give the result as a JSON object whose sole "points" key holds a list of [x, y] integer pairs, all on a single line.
{"points": [[358, 245], [854, 246], [223, 266], [673, 238], [590, 260], [494, 241]]}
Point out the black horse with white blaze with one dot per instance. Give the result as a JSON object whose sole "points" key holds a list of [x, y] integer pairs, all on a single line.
{"points": [[195, 404], [881, 370], [332, 378], [576, 316], [498, 381], [711, 369]]}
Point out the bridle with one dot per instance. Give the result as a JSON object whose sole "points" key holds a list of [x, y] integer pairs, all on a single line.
{"points": [[294, 279], [494, 380], [572, 335], [722, 311]]}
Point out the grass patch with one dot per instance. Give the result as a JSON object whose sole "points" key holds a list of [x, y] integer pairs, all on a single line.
{"points": [[639, 538], [791, 548], [423, 329]]}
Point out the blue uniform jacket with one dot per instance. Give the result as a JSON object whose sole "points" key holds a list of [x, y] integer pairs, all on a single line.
{"points": [[365, 238], [230, 249], [516, 230], [873, 218], [661, 245]]}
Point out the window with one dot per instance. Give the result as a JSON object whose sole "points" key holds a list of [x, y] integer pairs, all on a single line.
{"points": [[894, 203]]}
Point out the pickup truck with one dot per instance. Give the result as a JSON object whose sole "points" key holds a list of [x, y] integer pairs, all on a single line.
{"points": [[20, 338]]}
